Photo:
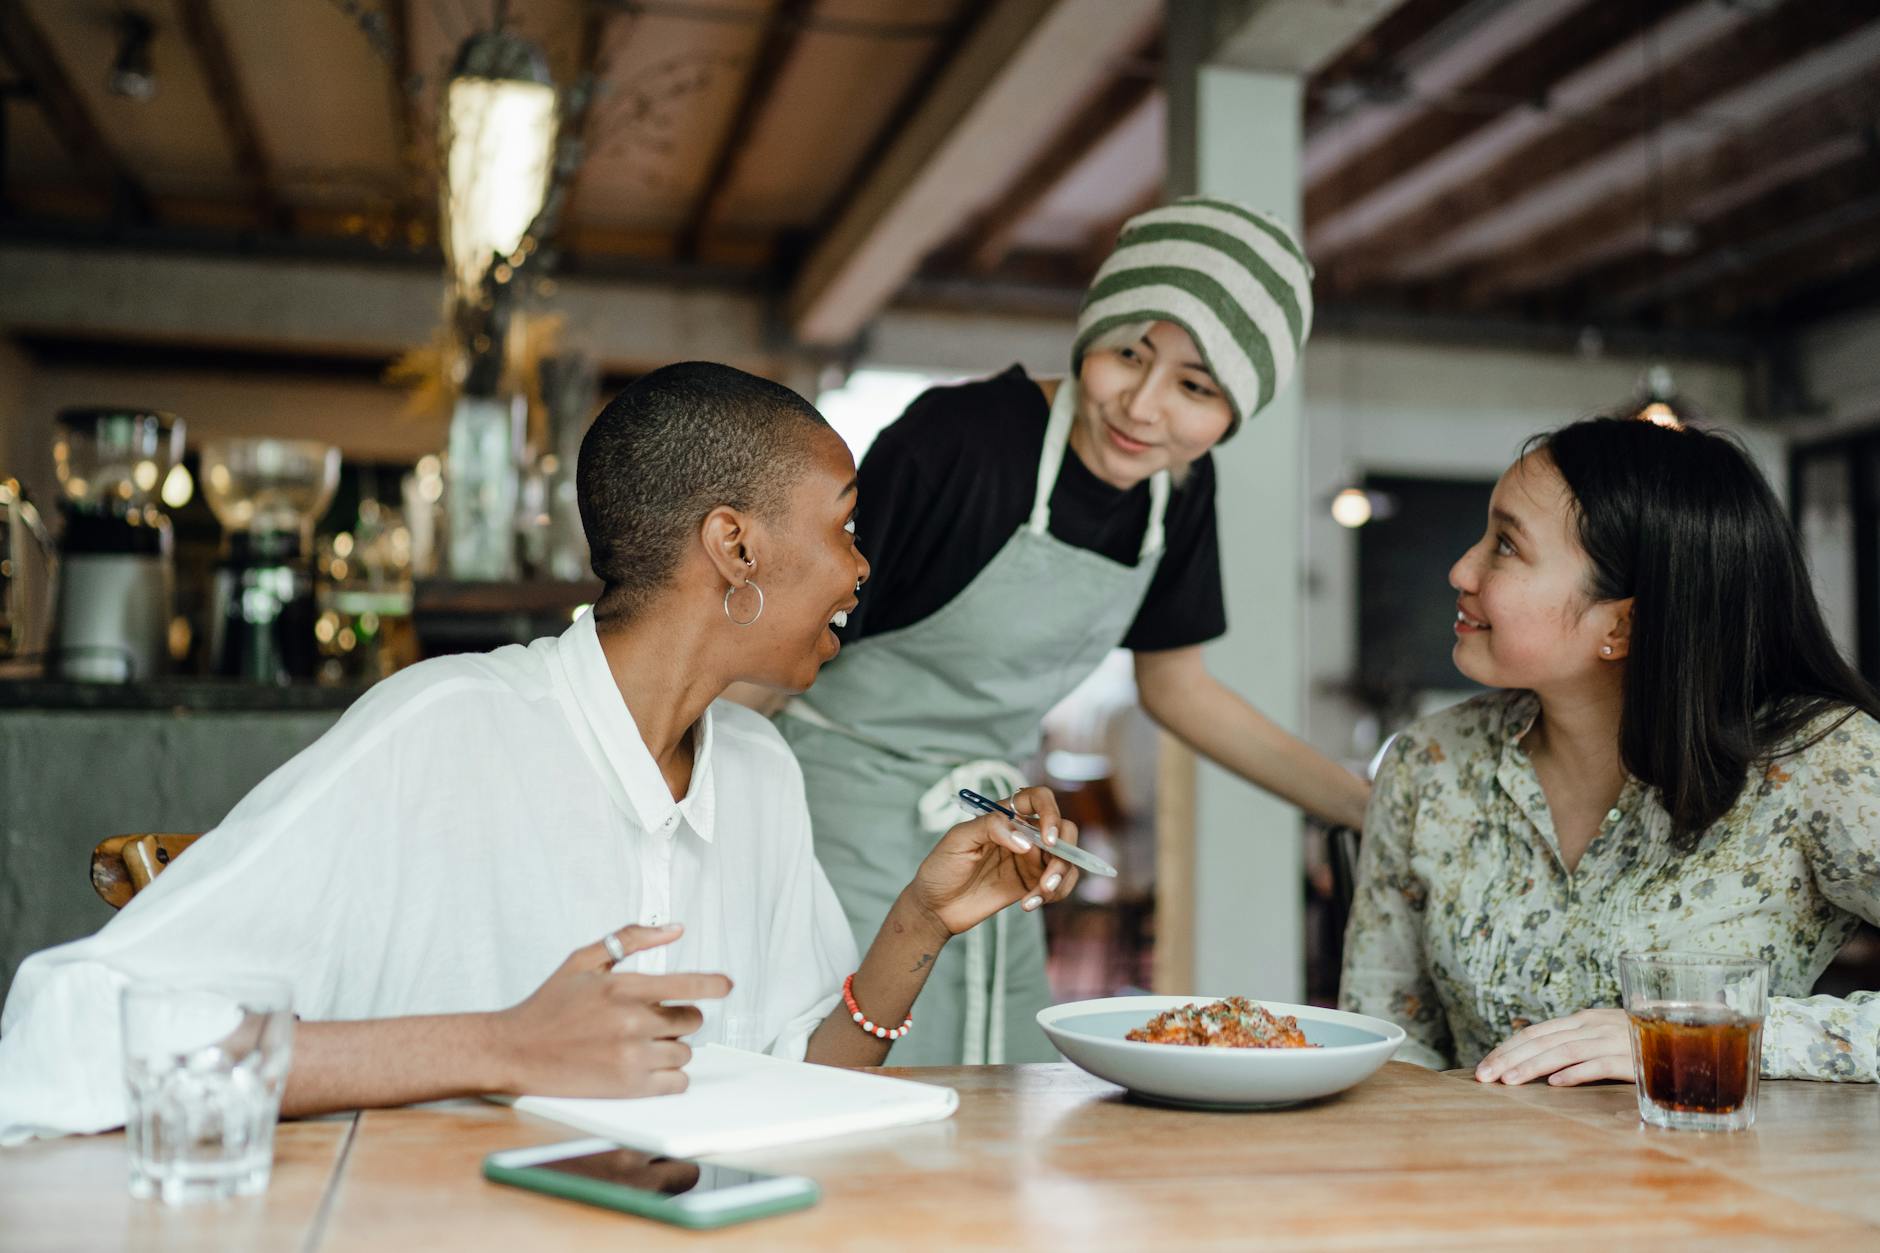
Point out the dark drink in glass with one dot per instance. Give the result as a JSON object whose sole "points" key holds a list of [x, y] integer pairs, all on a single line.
{"points": [[1696, 1023], [1698, 1059]]}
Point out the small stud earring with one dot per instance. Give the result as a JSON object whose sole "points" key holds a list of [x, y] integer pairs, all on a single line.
{"points": [[1607, 650]]}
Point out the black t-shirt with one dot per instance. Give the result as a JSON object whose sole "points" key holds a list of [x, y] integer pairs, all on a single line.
{"points": [[948, 484]]}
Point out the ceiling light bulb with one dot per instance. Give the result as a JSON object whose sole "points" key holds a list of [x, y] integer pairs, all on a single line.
{"points": [[1351, 508]]}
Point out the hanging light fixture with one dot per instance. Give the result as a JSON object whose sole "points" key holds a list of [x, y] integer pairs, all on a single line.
{"points": [[1671, 236], [132, 75], [497, 137], [1658, 401]]}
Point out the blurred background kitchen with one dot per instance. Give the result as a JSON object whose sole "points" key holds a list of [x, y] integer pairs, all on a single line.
{"points": [[305, 305]]}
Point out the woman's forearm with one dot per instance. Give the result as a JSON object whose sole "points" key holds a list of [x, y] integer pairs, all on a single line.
{"points": [[1195, 707], [392, 1061], [1244, 740], [892, 973]]}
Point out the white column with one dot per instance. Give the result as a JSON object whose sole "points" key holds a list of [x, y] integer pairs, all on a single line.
{"points": [[1236, 133]]}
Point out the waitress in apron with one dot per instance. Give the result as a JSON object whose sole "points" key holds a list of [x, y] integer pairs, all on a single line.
{"points": [[1018, 534]]}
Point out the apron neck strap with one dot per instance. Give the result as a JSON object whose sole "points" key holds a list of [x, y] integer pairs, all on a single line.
{"points": [[1057, 437], [1158, 507]]}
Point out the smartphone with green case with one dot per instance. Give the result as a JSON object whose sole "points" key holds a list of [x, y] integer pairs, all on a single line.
{"points": [[687, 1194]]}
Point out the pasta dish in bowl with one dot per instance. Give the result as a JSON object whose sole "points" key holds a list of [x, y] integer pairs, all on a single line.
{"points": [[1235, 1023], [1220, 1053]]}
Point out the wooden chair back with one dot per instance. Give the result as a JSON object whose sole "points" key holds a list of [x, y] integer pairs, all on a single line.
{"points": [[1342, 844], [124, 865]]}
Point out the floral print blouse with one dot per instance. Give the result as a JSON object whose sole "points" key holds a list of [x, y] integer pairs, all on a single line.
{"points": [[1467, 925]]}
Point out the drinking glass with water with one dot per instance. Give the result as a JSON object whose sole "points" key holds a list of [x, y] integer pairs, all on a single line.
{"points": [[1696, 1022], [205, 1064]]}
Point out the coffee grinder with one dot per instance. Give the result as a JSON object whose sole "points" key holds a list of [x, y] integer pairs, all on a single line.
{"points": [[267, 493], [113, 621]]}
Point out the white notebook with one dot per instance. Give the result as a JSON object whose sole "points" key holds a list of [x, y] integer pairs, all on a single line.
{"points": [[739, 1101]]}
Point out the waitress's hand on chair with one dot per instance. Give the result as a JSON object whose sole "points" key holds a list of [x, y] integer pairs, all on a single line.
{"points": [[982, 866]]}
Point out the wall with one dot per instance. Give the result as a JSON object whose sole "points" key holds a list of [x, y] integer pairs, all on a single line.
{"points": [[367, 419], [1840, 363]]}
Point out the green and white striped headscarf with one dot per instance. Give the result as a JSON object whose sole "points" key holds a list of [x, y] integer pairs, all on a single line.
{"points": [[1235, 279]]}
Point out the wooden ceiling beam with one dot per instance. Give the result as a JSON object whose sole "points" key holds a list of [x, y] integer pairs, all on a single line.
{"points": [[1290, 36], [1849, 290], [1781, 272], [993, 233], [1372, 60], [26, 48], [1582, 34], [945, 48], [1745, 50], [1101, 242], [1433, 68], [1581, 94], [592, 66], [1024, 65], [1635, 159], [1737, 243], [783, 30], [1703, 185], [416, 149], [202, 28]]}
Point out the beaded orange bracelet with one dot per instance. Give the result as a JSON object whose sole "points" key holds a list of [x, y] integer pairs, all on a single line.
{"points": [[868, 1025]]}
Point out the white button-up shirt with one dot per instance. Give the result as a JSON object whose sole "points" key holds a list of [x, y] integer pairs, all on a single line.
{"points": [[463, 828]]}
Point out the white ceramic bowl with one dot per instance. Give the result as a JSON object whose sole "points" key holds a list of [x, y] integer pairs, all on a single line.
{"points": [[1091, 1034]]}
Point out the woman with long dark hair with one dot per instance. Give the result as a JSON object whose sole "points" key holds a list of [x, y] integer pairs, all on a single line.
{"points": [[1676, 756]]}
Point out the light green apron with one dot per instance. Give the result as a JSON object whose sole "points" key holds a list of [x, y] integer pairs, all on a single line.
{"points": [[900, 722]]}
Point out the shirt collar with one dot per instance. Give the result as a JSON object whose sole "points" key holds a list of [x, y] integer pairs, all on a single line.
{"points": [[640, 783], [1517, 718], [1516, 774]]}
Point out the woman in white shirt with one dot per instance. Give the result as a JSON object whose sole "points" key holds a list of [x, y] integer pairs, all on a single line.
{"points": [[445, 878]]}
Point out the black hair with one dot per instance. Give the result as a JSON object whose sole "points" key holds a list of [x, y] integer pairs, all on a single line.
{"points": [[1729, 661], [671, 447]]}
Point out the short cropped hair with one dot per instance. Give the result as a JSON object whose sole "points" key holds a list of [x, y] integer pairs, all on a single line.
{"points": [[674, 445]]}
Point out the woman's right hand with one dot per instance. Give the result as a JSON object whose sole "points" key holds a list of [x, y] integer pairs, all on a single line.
{"points": [[590, 1032]]}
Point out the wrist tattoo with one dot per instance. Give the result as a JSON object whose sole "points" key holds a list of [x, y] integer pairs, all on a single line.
{"points": [[926, 960]]}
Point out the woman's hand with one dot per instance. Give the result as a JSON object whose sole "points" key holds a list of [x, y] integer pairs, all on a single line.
{"points": [[981, 866], [1586, 1047], [588, 1031]]}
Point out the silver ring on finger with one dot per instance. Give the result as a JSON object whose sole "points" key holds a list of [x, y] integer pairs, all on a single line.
{"points": [[615, 949]]}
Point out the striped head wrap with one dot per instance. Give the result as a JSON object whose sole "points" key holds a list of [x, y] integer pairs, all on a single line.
{"points": [[1235, 279]]}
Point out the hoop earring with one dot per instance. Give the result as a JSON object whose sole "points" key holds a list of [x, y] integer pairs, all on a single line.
{"points": [[731, 591]]}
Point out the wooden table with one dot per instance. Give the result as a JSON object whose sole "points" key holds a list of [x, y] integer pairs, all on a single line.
{"points": [[1048, 1157]]}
